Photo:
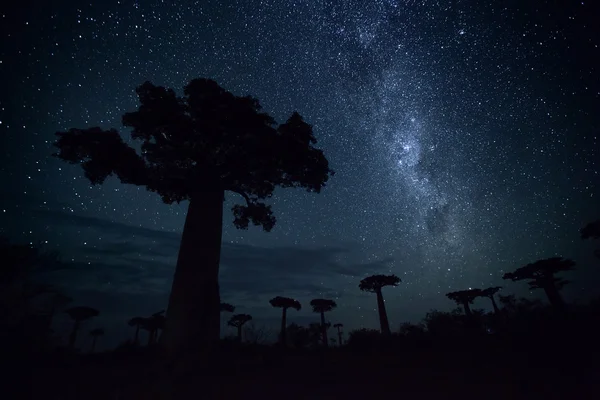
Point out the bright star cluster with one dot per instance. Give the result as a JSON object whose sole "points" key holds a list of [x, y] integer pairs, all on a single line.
{"points": [[464, 136]]}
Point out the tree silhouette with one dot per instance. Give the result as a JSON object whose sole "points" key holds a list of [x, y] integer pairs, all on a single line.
{"points": [[284, 303], [95, 333], [299, 336], [592, 231], [137, 322], [322, 306], [464, 298], [541, 275], [238, 321], [339, 327], [78, 315], [489, 293], [57, 302], [196, 148], [374, 284], [226, 307]]}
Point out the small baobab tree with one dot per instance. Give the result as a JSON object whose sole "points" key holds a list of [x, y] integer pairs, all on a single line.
{"points": [[199, 147], [137, 322], [374, 284], [284, 303], [78, 315], [339, 327], [592, 231], [322, 306], [238, 321], [489, 293], [95, 334], [464, 298], [541, 275]]}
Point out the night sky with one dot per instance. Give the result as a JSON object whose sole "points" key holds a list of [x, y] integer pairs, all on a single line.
{"points": [[464, 135]]}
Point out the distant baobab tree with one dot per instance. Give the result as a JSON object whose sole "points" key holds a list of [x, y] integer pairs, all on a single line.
{"points": [[339, 327], [137, 322], [592, 231], [95, 333], [238, 321], [226, 307], [57, 302], [489, 293], [196, 148], [464, 298], [284, 303], [374, 284], [322, 306], [541, 275], [78, 315]]}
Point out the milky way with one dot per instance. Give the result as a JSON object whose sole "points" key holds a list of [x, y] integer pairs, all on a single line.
{"points": [[464, 135]]}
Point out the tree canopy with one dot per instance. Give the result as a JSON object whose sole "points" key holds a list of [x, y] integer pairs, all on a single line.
{"points": [[488, 292], [81, 313], [322, 305], [464, 296], [285, 302], [226, 307], [541, 273], [207, 140], [238, 320], [374, 283]]}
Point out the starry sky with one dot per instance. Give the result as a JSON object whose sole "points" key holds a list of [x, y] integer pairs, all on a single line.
{"points": [[464, 136]]}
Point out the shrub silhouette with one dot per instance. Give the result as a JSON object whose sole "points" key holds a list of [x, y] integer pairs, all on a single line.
{"points": [[197, 148], [374, 284], [238, 321], [95, 333], [284, 303], [299, 336], [541, 275], [322, 306], [78, 315]]}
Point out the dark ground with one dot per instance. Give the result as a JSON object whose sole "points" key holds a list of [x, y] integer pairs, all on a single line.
{"points": [[489, 368]]}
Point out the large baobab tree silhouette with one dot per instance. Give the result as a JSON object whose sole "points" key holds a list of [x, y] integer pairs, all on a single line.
{"points": [[238, 321], [374, 284], [95, 333], [592, 231], [322, 306], [541, 275], [78, 315], [464, 298], [339, 327], [137, 322], [489, 293], [284, 303], [197, 148]]}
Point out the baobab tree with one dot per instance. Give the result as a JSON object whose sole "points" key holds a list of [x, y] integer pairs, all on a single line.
{"points": [[78, 315], [339, 327], [95, 333], [592, 231], [322, 306], [226, 307], [57, 301], [197, 148], [374, 284], [541, 275], [464, 298], [284, 303], [489, 293], [137, 322], [238, 321]]}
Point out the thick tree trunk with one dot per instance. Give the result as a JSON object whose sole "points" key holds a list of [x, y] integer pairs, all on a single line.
{"points": [[239, 328], [496, 310], [137, 334], [467, 309], [554, 297], [94, 343], [193, 320], [340, 337], [283, 326], [73, 335], [323, 330], [383, 320]]}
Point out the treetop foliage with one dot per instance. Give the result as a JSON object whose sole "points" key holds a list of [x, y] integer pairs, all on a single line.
{"points": [[205, 142], [374, 283]]}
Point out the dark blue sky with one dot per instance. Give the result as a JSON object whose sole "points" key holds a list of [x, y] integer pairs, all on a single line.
{"points": [[464, 135]]}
